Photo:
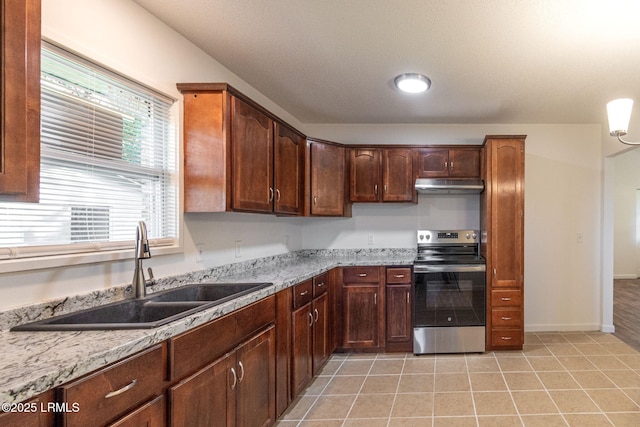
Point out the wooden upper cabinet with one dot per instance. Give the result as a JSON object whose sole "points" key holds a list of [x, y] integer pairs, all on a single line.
{"points": [[252, 157], [20, 103], [327, 179], [381, 175], [237, 155], [461, 162], [288, 180]]}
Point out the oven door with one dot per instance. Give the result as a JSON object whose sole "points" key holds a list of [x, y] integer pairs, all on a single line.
{"points": [[450, 295]]}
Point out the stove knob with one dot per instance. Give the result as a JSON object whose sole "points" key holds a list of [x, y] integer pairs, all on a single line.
{"points": [[468, 236], [422, 237], [428, 236], [475, 236]]}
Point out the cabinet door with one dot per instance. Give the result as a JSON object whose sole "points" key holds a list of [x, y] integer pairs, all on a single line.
{"points": [[301, 352], [256, 389], [507, 171], [288, 174], [252, 158], [153, 414], [206, 398], [360, 316], [327, 179], [36, 418], [397, 175], [464, 163], [320, 331], [364, 175], [399, 313], [432, 162], [20, 101]]}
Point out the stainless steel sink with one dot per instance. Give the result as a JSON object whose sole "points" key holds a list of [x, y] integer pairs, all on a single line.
{"points": [[145, 313]]}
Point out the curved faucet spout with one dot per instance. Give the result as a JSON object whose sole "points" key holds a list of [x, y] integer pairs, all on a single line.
{"points": [[141, 252]]}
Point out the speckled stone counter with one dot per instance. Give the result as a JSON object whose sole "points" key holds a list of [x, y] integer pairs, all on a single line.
{"points": [[33, 362]]}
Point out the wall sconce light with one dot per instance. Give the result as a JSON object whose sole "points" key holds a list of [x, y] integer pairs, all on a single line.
{"points": [[619, 112]]}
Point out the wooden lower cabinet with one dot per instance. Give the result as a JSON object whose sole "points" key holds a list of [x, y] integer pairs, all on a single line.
{"points": [[152, 414], [34, 417], [399, 332]]}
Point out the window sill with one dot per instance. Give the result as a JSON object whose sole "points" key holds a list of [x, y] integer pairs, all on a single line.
{"points": [[67, 260]]}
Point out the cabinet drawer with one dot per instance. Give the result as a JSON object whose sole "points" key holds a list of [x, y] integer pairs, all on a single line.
{"points": [[113, 391], [398, 275], [506, 318], [196, 348], [507, 337], [302, 294], [506, 298], [361, 274], [320, 284]]}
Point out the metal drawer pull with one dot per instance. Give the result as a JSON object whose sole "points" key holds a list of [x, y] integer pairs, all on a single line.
{"points": [[505, 299], [398, 276], [235, 379], [277, 195], [362, 274], [303, 293], [375, 189], [375, 299], [506, 318], [320, 284], [241, 377], [310, 319], [316, 315], [408, 301], [505, 338], [121, 390]]}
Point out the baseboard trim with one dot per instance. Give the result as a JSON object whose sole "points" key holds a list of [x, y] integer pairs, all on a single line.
{"points": [[625, 276], [564, 327]]}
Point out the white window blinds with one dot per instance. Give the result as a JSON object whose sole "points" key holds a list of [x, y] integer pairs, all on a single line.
{"points": [[107, 162]]}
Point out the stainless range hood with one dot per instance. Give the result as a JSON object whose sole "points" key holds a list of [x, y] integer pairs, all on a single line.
{"points": [[449, 186]]}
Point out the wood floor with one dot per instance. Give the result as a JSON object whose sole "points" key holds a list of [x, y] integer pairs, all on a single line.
{"points": [[626, 311]]}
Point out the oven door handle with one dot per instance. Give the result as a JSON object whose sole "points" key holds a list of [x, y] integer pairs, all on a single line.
{"points": [[451, 268]]}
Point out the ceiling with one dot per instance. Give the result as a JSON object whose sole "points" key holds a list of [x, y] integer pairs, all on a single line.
{"points": [[490, 61]]}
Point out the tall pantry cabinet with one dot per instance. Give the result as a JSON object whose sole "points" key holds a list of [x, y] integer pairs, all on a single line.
{"points": [[502, 244]]}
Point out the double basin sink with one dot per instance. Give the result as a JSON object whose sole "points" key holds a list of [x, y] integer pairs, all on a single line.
{"points": [[144, 313]]}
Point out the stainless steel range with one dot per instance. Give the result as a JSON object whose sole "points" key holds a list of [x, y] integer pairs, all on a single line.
{"points": [[449, 293]]}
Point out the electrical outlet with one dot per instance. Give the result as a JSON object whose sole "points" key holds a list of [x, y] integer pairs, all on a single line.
{"points": [[238, 248], [199, 251], [370, 240]]}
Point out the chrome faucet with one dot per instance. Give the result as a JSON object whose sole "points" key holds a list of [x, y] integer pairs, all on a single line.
{"points": [[141, 252]]}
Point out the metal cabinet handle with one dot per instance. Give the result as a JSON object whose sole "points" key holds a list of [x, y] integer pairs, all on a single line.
{"points": [[398, 276], [303, 293], [375, 189], [408, 300], [235, 379], [321, 284], [375, 299], [241, 377], [121, 390], [451, 165], [505, 299], [315, 200], [310, 319], [270, 194], [316, 315], [506, 318], [505, 338], [494, 272], [277, 195], [385, 188], [445, 165], [362, 274]]}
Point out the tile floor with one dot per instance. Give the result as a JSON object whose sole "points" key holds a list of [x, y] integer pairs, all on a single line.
{"points": [[559, 379]]}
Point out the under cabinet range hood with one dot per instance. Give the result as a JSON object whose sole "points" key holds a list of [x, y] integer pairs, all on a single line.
{"points": [[449, 186]]}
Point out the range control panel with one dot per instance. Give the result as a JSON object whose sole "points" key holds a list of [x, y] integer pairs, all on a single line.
{"points": [[447, 236]]}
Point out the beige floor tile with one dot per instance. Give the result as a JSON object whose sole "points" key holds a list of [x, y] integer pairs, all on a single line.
{"points": [[355, 367], [372, 406], [573, 401], [448, 404], [592, 379], [545, 364], [624, 378], [621, 348], [607, 362], [331, 367], [587, 420], [592, 349], [631, 360], [499, 421], [411, 422], [380, 384], [284, 423], [316, 386], [344, 385], [416, 383], [494, 403], [603, 337], [543, 421], [452, 382], [534, 402], [321, 423], [413, 405], [625, 419], [536, 350], [386, 366], [633, 393], [362, 356], [558, 380], [330, 407], [454, 422], [576, 363], [366, 422], [482, 364], [563, 350], [531, 338], [451, 365], [577, 337], [612, 400], [552, 338], [522, 381], [419, 366], [298, 408], [487, 381], [514, 364]]}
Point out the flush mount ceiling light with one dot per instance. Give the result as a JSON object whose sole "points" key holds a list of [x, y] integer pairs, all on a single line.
{"points": [[619, 112], [412, 82]]}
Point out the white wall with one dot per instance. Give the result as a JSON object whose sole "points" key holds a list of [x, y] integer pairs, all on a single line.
{"points": [[625, 239], [563, 193]]}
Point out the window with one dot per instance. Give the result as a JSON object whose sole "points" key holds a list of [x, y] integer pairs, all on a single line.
{"points": [[107, 162]]}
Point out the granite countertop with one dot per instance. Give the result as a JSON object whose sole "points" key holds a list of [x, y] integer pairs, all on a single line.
{"points": [[33, 362]]}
